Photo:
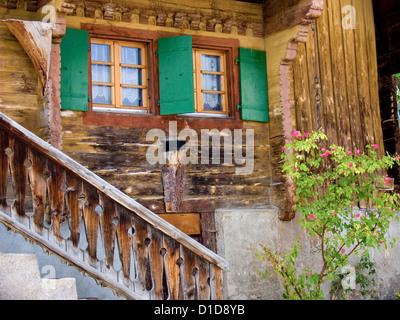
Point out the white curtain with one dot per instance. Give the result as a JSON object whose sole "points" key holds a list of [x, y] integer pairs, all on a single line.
{"points": [[212, 101], [101, 73]]}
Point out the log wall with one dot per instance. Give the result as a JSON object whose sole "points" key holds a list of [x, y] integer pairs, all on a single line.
{"points": [[20, 90]]}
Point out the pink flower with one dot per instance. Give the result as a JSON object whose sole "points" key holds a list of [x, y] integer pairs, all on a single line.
{"points": [[333, 149], [322, 149], [334, 212], [351, 164], [310, 274], [323, 130], [295, 134], [358, 152], [325, 154], [388, 179], [354, 184], [283, 148], [358, 215], [294, 168], [312, 217], [306, 134], [343, 251], [349, 153], [375, 146], [383, 241]]}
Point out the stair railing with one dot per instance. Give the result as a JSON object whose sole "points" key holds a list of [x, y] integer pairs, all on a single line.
{"points": [[54, 201]]}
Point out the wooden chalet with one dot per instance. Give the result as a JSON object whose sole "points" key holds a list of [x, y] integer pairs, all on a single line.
{"points": [[82, 83]]}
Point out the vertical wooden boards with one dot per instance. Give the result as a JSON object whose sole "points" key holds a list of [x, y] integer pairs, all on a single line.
{"points": [[302, 91], [339, 72], [350, 56], [328, 112], [348, 72], [368, 15]]}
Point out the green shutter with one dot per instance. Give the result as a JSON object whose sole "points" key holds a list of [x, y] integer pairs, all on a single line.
{"points": [[253, 85], [175, 59], [74, 70]]}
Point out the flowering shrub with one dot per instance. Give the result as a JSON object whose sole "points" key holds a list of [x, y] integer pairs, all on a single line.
{"points": [[331, 182]]}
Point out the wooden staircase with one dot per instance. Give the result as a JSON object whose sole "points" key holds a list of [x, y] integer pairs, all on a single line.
{"points": [[68, 210]]}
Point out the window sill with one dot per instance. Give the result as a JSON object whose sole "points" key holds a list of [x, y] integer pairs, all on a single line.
{"points": [[118, 110]]}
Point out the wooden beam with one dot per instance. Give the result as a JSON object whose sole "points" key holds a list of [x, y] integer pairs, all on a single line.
{"points": [[189, 223], [35, 38]]}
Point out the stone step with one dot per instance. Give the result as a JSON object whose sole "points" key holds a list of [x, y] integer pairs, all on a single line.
{"points": [[20, 280]]}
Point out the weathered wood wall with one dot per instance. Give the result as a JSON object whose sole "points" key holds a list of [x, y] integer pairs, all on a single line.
{"points": [[347, 63], [20, 92]]}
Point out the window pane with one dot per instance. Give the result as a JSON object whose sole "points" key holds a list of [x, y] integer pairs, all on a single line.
{"points": [[100, 52], [101, 73], [101, 94], [212, 102], [131, 55], [131, 76], [210, 63], [211, 82], [132, 97]]}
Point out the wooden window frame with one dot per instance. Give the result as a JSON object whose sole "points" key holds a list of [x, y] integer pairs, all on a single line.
{"points": [[198, 81], [116, 75], [153, 119]]}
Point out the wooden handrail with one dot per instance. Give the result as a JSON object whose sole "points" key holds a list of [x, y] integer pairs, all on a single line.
{"points": [[166, 262]]}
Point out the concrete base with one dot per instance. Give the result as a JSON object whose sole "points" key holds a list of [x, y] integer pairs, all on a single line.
{"points": [[20, 280], [240, 232]]}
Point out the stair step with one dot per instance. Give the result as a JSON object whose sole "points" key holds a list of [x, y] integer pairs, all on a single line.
{"points": [[20, 280]]}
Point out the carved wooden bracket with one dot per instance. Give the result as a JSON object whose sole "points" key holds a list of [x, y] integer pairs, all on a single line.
{"points": [[174, 179], [35, 38]]}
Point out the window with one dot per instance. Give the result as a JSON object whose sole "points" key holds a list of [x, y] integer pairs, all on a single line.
{"points": [[157, 76], [119, 76], [210, 87]]}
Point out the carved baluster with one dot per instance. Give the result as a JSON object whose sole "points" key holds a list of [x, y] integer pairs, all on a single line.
{"points": [[56, 195], [108, 227], [4, 169], [19, 175], [204, 292], [141, 243], [156, 262], [189, 284], [37, 179], [74, 205], [125, 241], [172, 268], [216, 283], [91, 221]]}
